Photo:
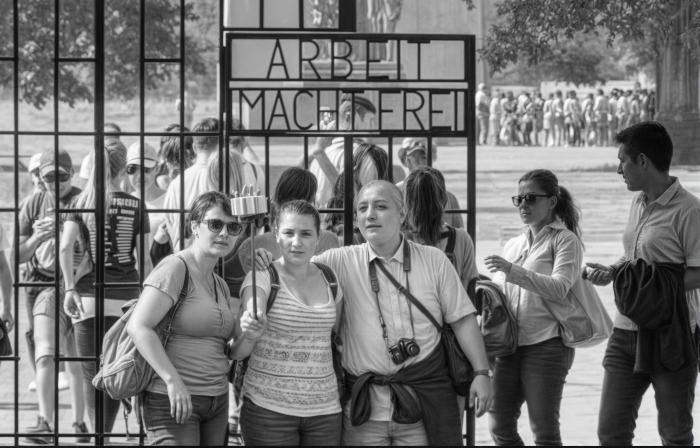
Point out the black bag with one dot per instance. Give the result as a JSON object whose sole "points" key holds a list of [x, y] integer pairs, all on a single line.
{"points": [[5, 345], [460, 369], [237, 372]]}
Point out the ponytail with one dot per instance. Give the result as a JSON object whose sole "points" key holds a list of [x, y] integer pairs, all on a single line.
{"points": [[567, 208]]}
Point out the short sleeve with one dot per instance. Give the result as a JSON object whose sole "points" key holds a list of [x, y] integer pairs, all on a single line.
{"points": [[339, 295], [168, 277], [328, 240], [262, 281], [4, 243], [690, 238], [27, 216], [454, 302]]}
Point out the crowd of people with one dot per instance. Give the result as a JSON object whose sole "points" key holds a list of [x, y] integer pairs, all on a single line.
{"points": [[333, 346], [560, 119]]}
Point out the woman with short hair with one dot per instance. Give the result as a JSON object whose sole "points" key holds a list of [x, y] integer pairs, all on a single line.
{"points": [[537, 271], [187, 402]]}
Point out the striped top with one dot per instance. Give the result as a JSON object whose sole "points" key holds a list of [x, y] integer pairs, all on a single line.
{"points": [[291, 368]]}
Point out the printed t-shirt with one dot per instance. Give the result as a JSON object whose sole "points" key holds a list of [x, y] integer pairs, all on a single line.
{"points": [[291, 368], [36, 207], [155, 219], [203, 325], [335, 153], [122, 226], [196, 183]]}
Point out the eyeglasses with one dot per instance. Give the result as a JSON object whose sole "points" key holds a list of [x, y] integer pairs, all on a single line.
{"points": [[215, 225], [131, 169], [50, 177], [530, 198]]}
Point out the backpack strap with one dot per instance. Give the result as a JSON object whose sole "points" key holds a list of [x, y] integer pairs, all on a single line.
{"points": [[451, 240], [330, 278], [274, 286], [180, 299]]}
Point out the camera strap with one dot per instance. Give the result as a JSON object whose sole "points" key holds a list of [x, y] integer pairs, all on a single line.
{"points": [[375, 287]]}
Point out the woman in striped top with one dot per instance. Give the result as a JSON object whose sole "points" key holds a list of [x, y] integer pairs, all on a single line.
{"points": [[290, 393]]}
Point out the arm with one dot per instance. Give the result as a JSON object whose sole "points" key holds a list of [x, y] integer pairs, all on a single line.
{"points": [[6, 292], [472, 343], [147, 263], [72, 304], [244, 345], [692, 278], [29, 244], [150, 310]]}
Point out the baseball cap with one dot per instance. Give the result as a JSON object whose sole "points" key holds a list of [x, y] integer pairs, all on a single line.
{"points": [[360, 101], [133, 155], [34, 162], [48, 161], [411, 145]]}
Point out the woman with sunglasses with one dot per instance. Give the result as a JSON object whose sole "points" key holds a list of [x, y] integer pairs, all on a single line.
{"points": [[123, 224], [146, 178], [540, 265], [187, 402]]}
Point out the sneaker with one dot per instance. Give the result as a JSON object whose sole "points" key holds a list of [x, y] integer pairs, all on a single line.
{"points": [[63, 383], [80, 428], [32, 386], [42, 427]]}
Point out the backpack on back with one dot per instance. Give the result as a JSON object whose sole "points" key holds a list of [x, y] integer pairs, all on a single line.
{"points": [[124, 373]]}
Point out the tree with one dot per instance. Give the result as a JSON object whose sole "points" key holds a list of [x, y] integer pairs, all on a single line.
{"points": [[76, 40], [532, 28]]}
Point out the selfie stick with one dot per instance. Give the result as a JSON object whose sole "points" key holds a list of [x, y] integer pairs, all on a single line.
{"points": [[247, 209]]}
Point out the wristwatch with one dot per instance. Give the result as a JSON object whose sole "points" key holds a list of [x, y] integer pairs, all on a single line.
{"points": [[488, 373]]}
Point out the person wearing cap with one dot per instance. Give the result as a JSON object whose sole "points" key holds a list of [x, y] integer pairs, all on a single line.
{"points": [[414, 154], [155, 196], [37, 247], [354, 113], [37, 183]]}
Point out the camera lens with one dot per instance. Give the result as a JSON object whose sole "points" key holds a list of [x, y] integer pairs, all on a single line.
{"points": [[412, 349]]}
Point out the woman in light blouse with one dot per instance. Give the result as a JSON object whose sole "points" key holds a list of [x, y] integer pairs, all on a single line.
{"points": [[540, 265]]}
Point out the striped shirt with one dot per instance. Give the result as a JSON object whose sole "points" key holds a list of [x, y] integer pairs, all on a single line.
{"points": [[291, 368]]}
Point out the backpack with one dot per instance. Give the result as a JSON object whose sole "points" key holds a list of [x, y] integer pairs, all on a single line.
{"points": [[499, 327], [241, 367], [124, 373]]}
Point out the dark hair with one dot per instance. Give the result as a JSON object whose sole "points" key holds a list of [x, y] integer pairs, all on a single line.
{"points": [[236, 141], [170, 146], [379, 158], [649, 138], [296, 183], [425, 197], [205, 202], [207, 142], [114, 128], [299, 207], [566, 209]]}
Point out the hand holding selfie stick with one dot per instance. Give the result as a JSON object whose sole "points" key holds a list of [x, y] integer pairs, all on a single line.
{"points": [[251, 209]]}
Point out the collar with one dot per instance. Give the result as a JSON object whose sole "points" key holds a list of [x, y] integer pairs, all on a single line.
{"points": [[556, 225], [666, 197], [398, 256]]}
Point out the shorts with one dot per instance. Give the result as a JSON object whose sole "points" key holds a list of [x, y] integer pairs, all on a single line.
{"points": [[46, 305]]}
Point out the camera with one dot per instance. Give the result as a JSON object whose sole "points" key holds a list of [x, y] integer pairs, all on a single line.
{"points": [[404, 349]]}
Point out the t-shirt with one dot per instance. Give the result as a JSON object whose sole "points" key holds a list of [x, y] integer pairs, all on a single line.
{"points": [[156, 219], [291, 368], [36, 207], [335, 154], [202, 326], [196, 183], [122, 226]]}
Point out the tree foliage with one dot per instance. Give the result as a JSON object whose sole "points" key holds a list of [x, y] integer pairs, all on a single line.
{"points": [[76, 40], [532, 29]]}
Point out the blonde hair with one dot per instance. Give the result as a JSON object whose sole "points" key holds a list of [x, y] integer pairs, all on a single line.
{"points": [[235, 172], [114, 165]]}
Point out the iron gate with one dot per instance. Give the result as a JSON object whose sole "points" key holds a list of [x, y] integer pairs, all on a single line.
{"points": [[462, 127]]}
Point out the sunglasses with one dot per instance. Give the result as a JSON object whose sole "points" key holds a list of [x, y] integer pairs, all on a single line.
{"points": [[131, 169], [50, 177], [530, 198], [215, 225]]}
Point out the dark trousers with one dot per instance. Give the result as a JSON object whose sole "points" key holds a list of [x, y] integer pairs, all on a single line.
{"points": [[262, 427], [207, 426], [85, 343], [534, 374], [623, 391]]}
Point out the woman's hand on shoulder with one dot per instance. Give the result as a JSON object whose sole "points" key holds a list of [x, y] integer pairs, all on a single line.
{"points": [[263, 259], [253, 329]]}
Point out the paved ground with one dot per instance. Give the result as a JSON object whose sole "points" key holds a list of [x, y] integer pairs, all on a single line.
{"points": [[589, 174]]}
